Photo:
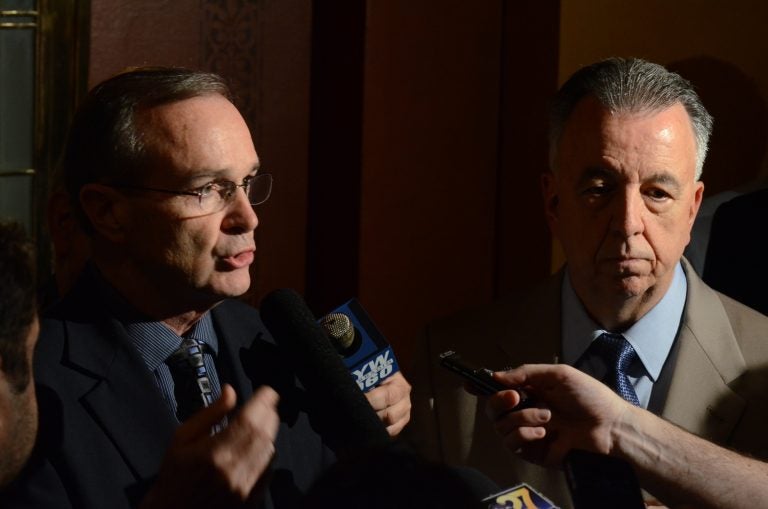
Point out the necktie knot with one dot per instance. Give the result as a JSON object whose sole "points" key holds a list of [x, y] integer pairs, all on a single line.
{"points": [[618, 355], [615, 350]]}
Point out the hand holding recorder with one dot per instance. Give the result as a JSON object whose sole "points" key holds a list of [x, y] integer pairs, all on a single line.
{"points": [[578, 412], [481, 381]]}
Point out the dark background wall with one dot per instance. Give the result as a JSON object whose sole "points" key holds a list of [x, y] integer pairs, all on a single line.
{"points": [[407, 137]]}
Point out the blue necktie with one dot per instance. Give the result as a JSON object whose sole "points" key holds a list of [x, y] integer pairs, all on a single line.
{"points": [[192, 387], [618, 355]]}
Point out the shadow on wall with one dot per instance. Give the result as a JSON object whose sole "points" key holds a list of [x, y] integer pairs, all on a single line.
{"points": [[738, 144]]}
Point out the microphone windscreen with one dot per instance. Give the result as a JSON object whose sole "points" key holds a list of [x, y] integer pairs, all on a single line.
{"points": [[347, 420], [340, 330], [396, 477]]}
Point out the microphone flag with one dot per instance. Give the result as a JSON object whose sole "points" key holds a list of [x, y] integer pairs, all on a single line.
{"points": [[369, 357], [521, 496]]}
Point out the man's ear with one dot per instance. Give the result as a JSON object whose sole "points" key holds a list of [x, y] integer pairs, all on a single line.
{"points": [[61, 221], [698, 196], [551, 199], [104, 207]]}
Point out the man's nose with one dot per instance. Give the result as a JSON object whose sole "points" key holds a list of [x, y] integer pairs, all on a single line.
{"points": [[628, 213], [240, 216]]}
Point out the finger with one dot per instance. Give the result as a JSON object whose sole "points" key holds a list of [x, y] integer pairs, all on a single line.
{"points": [[243, 451], [397, 387], [391, 391], [541, 375], [199, 425], [513, 377], [377, 398], [529, 417], [398, 411], [263, 399], [396, 416], [258, 415], [394, 429], [523, 438], [501, 403]]}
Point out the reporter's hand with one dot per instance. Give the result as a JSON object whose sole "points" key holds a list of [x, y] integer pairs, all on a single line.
{"points": [[576, 411], [392, 402], [200, 470]]}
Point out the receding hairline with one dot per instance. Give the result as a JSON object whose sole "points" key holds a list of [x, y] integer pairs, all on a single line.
{"points": [[643, 111]]}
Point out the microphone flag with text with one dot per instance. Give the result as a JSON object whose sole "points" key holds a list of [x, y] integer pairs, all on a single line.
{"points": [[348, 422], [521, 496], [361, 345]]}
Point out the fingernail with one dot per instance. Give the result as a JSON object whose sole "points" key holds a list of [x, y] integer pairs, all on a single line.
{"points": [[545, 414]]}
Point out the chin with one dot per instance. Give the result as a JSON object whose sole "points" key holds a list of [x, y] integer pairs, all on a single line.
{"points": [[233, 285], [633, 286]]}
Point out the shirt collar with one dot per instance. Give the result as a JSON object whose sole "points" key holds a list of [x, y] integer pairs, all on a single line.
{"points": [[156, 342], [153, 339], [651, 336]]}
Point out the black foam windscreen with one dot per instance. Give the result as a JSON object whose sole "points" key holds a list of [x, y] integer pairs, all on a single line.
{"points": [[396, 477], [347, 421]]}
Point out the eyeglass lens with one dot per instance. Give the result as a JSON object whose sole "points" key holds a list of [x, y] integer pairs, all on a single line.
{"points": [[260, 188]]}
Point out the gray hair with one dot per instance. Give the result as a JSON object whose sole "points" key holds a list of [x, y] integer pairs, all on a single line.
{"points": [[105, 144], [630, 85]]}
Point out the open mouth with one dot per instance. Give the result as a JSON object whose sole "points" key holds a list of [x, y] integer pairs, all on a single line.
{"points": [[240, 260]]}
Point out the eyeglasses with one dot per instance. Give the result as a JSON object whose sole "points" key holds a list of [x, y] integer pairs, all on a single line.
{"points": [[216, 196]]}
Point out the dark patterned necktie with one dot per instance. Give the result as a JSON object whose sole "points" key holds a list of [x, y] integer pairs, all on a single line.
{"points": [[192, 388], [618, 355]]}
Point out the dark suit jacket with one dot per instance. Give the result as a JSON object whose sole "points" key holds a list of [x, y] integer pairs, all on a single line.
{"points": [[105, 427], [719, 378], [736, 258]]}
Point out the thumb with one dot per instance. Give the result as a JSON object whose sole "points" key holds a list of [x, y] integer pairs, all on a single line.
{"points": [[200, 424]]}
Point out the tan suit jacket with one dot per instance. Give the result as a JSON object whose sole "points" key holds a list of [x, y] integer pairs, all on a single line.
{"points": [[719, 389]]}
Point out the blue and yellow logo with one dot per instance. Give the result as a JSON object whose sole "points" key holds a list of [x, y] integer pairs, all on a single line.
{"points": [[519, 497]]}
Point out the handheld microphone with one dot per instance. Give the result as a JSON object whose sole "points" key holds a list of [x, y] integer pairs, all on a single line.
{"points": [[361, 345], [347, 421]]}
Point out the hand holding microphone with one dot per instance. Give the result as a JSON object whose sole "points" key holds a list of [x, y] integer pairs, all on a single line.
{"points": [[371, 362], [392, 403], [347, 421]]}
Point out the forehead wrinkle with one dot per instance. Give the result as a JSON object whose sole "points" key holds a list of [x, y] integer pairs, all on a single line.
{"points": [[596, 172], [214, 174], [665, 178], [601, 172]]}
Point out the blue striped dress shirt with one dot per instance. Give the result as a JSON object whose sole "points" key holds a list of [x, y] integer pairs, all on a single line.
{"points": [[156, 342]]}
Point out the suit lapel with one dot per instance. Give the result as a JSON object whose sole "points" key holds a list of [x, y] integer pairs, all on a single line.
{"points": [[532, 327], [506, 334], [123, 399], [235, 340], [709, 359]]}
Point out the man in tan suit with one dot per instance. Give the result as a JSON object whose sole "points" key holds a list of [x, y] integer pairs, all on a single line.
{"points": [[628, 141]]}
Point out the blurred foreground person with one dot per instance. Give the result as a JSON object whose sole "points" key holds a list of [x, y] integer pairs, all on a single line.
{"points": [[18, 334]]}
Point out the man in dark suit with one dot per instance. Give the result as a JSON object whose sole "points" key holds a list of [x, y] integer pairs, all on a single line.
{"points": [[18, 335], [149, 337], [731, 250]]}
